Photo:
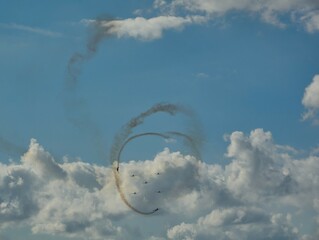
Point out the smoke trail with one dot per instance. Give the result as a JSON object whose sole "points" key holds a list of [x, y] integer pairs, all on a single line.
{"points": [[116, 170], [137, 136], [167, 135], [97, 34], [123, 137], [127, 129], [75, 107]]}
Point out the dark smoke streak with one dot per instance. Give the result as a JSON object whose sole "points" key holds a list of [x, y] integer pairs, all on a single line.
{"points": [[97, 34], [117, 173], [168, 135], [123, 138], [134, 137], [127, 129], [75, 107], [116, 170]]}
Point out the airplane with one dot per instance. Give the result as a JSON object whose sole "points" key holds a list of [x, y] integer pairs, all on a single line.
{"points": [[155, 210], [145, 182], [158, 191], [132, 175], [134, 193], [158, 173]]}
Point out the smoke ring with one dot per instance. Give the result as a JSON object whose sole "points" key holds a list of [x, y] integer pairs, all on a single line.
{"points": [[194, 140], [116, 167]]}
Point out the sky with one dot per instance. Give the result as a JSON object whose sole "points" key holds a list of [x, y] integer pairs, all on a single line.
{"points": [[226, 94]]}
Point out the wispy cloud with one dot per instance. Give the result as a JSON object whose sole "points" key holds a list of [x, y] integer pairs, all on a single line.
{"points": [[202, 75], [30, 29], [269, 11]]}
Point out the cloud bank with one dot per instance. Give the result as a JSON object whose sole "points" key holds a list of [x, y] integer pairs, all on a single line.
{"points": [[311, 100], [265, 191]]}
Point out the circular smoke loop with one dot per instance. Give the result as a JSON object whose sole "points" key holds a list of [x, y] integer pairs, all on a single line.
{"points": [[192, 141]]}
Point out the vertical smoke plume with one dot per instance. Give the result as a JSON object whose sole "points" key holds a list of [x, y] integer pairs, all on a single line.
{"points": [[97, 34], [76, 112], [75, 107]]}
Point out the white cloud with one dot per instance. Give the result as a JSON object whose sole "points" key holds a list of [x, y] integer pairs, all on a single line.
{"points": [[142, 28], [59, 199], [253, 171], [212, 6], [159, 3], [236, 223], [40, 162], [202, 75], [80, 200], [271, 189], [311, 100], [269, 11], [263, 191], [312, 22], [176, 14]]}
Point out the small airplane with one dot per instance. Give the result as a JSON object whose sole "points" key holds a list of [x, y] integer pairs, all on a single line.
{"points": [[134, 193], [158, 191], [145, 182], [155, 210], [133, 175], [158, 173]]}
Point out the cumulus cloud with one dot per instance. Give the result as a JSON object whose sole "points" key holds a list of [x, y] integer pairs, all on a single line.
{"points": [[58, 199], [311, 100], [236, 223], [266, 180], [264, 192], [77, 199]]}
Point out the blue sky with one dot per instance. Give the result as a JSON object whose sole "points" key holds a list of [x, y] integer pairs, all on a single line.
{"points": [[240, 66]]}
